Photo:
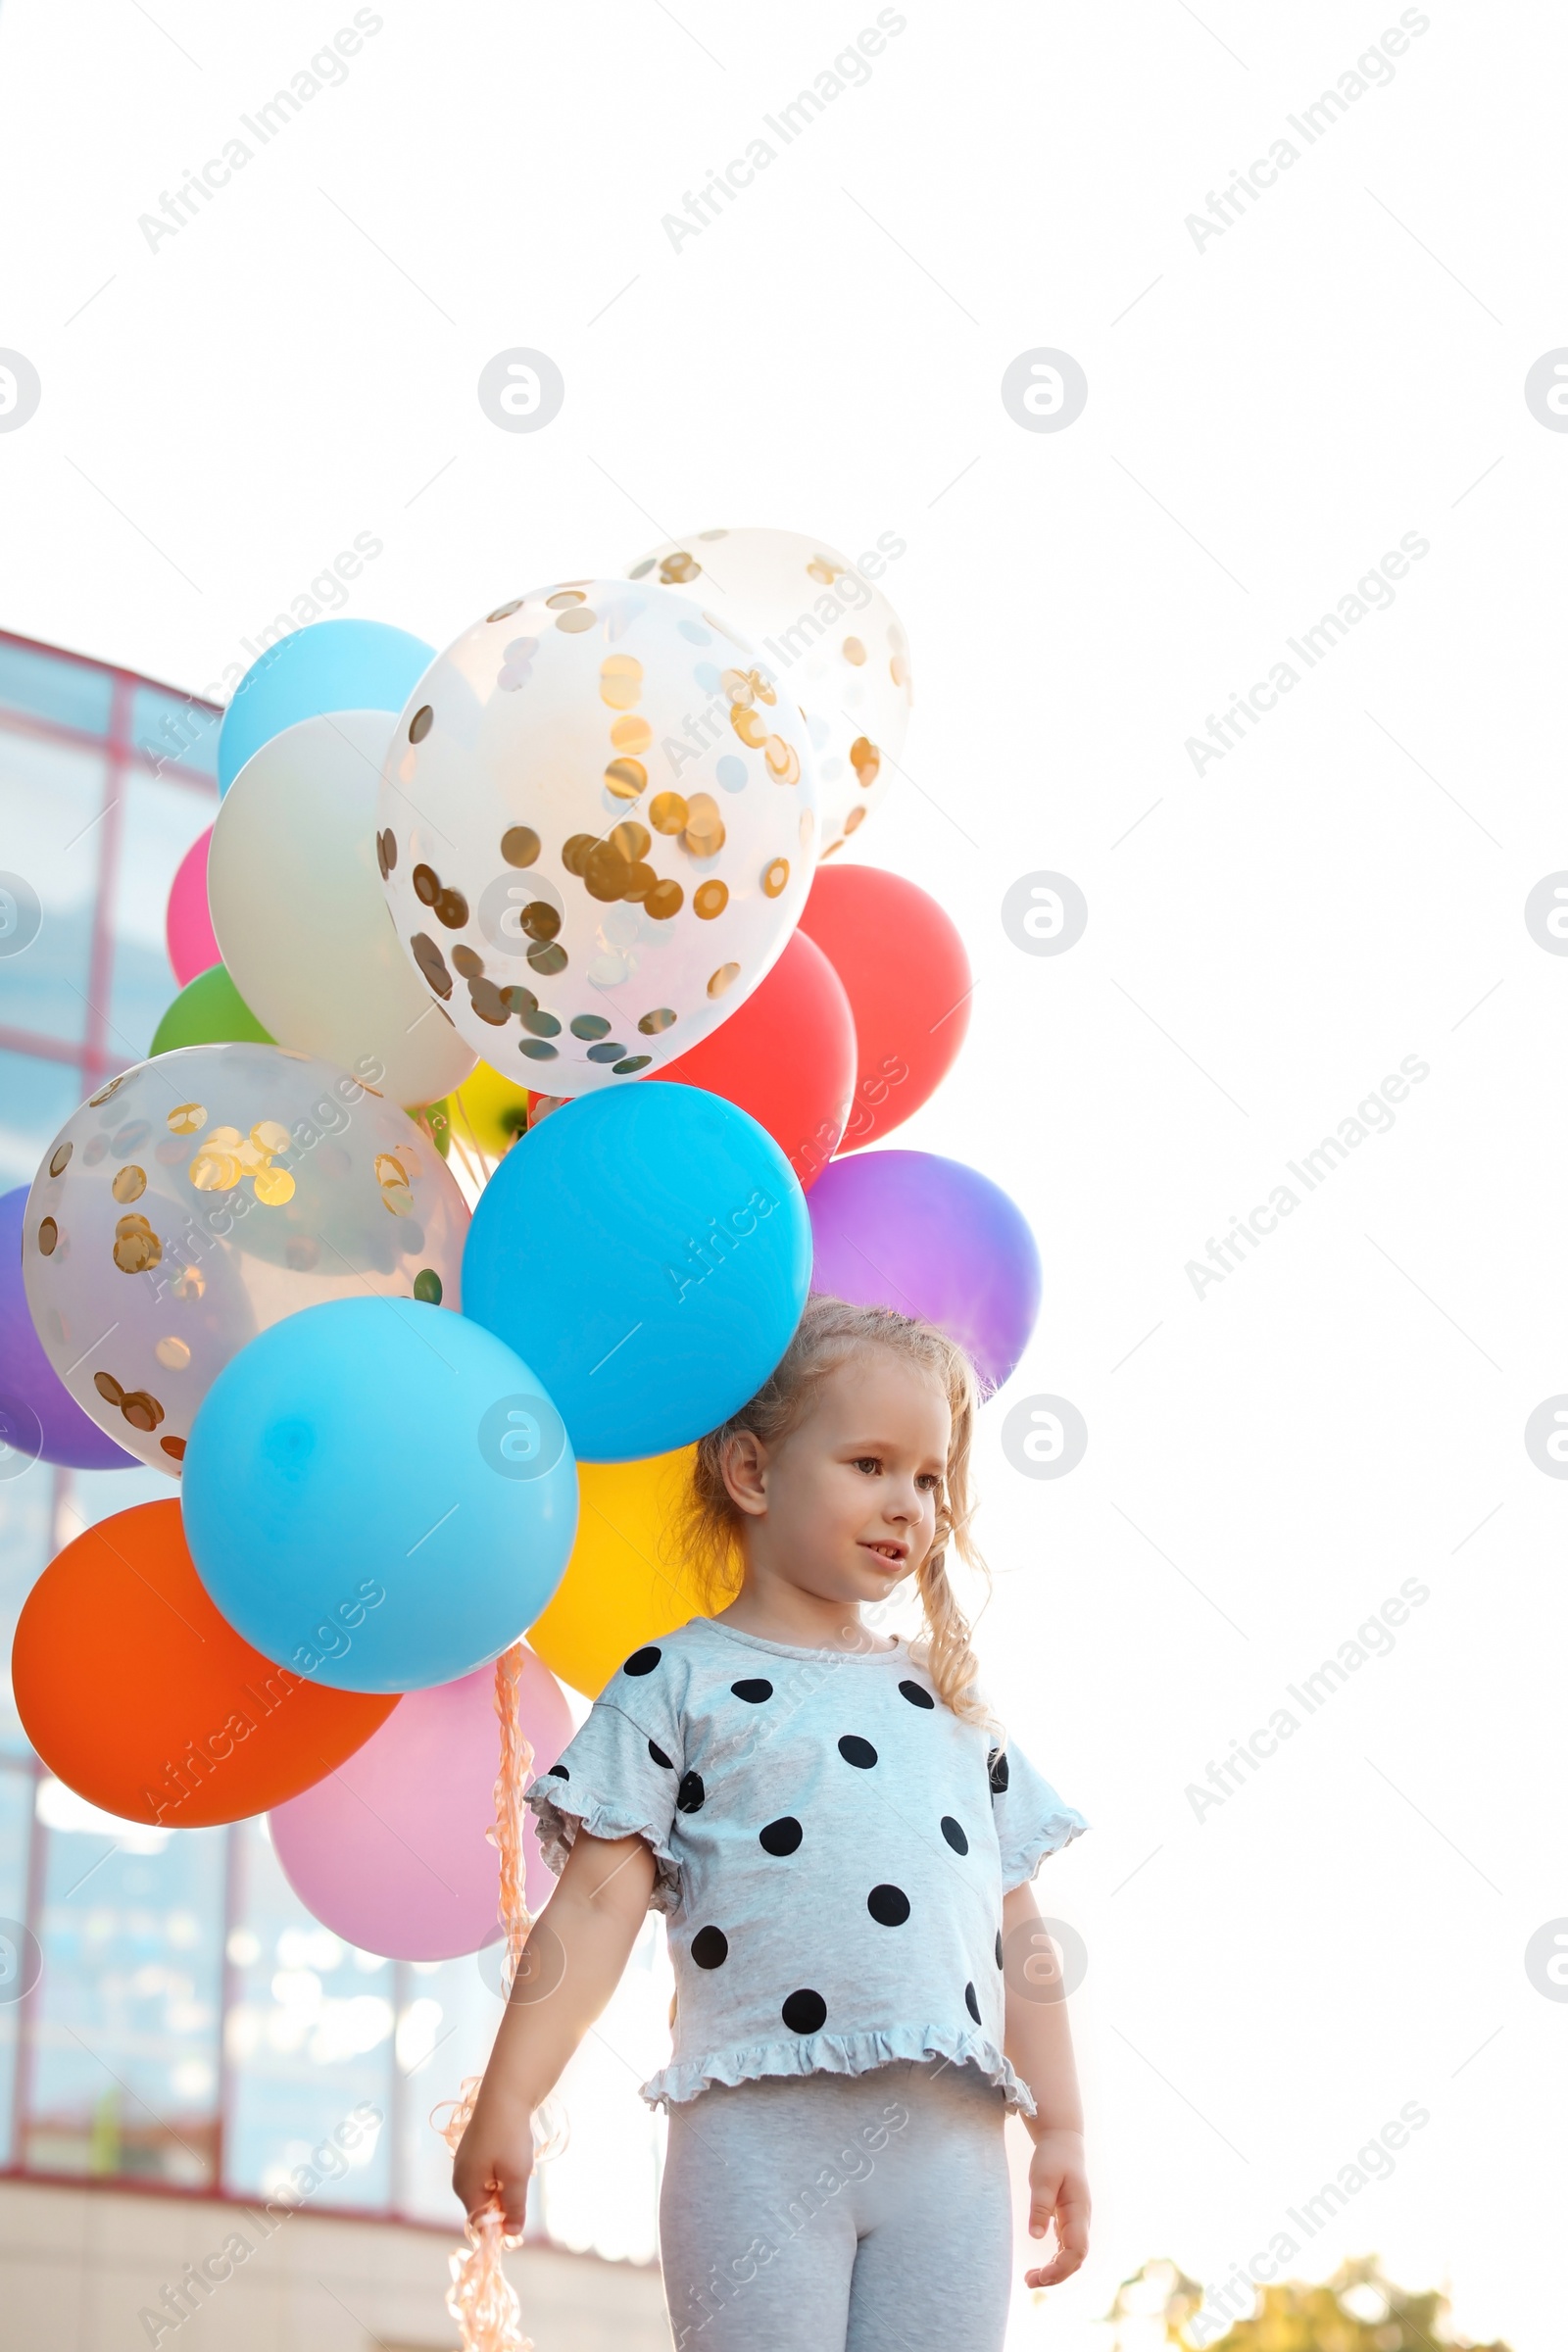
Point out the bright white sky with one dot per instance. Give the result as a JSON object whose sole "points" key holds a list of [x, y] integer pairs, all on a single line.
{"points": [[1343, 366]]}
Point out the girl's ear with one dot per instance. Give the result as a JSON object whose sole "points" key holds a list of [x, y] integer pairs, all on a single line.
{"points": [[743, 1465]]}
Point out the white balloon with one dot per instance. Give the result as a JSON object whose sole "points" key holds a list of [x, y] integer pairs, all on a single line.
{"points": [[300, 918], [599, 827], [832, 642]]}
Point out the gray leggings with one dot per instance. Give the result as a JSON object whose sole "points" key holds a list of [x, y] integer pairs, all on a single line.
{"points": [[808, 2213]]}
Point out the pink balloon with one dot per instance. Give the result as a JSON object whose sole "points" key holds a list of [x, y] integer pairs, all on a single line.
{"points": [[187, 926], [389, 1851]]}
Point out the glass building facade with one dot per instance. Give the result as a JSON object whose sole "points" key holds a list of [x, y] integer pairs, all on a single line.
{"points": [[192, 2027]]}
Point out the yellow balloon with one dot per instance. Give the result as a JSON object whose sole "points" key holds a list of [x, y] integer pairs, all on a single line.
{"points": [[489, 1110], [626, 1581]]}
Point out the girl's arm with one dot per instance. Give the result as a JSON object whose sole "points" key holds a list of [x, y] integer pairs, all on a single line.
{"points": [[571, 1965], [1039, 2043]]}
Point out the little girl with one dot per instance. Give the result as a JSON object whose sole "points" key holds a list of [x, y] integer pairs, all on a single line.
{"points": [[843, 1849]]}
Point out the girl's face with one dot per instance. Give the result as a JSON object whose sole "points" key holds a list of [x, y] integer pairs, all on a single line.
{"points": [[845, 1507]]}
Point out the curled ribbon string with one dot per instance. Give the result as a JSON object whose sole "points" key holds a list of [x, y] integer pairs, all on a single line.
{"points": [[481, 2297]]}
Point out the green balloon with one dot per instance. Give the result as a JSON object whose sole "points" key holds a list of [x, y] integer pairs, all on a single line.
{"points": [[211, 1011]]}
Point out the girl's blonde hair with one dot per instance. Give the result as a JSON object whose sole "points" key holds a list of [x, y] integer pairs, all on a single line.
{"points": [[829, 1332]]}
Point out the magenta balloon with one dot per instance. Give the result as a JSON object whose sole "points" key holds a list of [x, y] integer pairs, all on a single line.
{"points": [[188, 932], [930, 1238], [389, 1851], [38, 1415]]}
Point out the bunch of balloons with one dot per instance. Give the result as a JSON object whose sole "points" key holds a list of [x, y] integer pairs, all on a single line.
{"points": [[527, 1043]]}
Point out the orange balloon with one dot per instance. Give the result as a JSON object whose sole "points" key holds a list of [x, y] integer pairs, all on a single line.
{"points": [[141, 1697]]}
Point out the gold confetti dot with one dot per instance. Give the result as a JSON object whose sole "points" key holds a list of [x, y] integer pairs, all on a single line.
{"points": [[854, 651], [620, 681], [625, 778], [398, 1198], [189, 1284], [270, 1135], [519, 845], [605, 873], [57, 1164], [141, 1410], [137, 1245], [653, 1024], [215, 1171], [563, 599], [722, 978], [48, 1236], [420, 724], [783, 761], [808, 826], [668, 812], [107, 1388], [582, 617], [857, 816], [222, 1139], [747, 725], [129, 1184], [704, 827], [899, 671], [631, 841], [272, 1186], [664, 900], [104, 1092], [641, 880], [710, 898], [174, 1447], [188, 1118], [738, 686], [824, 568], [172, 1355], [677, 569], [504, 611], [389, 1169], [865, 759], [775, 875], [631, 735]]}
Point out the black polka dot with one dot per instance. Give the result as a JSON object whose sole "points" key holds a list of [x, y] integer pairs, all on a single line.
{"points": [[754, 1691], [916, 1694], [658, 1755], [971, 2003], [952, 1832], [889, 1906], [781, 1837], [558, 1771], [997, 1765], [998, 1948], [642, 1661], [710, 1947], [689, 1796], [857, 1751], [804, 2012]]}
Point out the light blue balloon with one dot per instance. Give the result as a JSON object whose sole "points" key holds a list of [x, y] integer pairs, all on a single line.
{"points": [[378, 1495], [648, 1248], [331, 665]]}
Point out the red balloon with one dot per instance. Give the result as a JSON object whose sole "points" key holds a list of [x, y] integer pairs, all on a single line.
{"points": [[908, 983], [786, 1056]]}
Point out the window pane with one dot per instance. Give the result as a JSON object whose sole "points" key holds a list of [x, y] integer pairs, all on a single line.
{"points": [[125, 2046], [309, 2040], [51, 804], [161, 821], [26, 1518], [16, 1815], [175, 730], [46, 687]]}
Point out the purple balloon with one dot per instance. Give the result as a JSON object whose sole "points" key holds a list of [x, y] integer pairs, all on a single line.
{"points": [[932, 1237], [38, 1415]]}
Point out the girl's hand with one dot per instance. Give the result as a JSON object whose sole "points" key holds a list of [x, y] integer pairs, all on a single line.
{"points": [[494, 2159], [1059, 2191]]}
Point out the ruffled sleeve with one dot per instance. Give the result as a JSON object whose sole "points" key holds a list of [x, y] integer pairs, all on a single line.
{"points": [[1032, 1821], [622, 1775]]}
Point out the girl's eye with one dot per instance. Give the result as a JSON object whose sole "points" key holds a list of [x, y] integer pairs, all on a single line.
{"points": [[869, 1463], [928, 1482]]}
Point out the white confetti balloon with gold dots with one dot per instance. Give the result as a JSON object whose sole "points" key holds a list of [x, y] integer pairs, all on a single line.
{"points": [[827, 637], [598, 827], [206, 1195]]}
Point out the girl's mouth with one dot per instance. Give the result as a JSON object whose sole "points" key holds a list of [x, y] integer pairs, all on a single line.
{"points": [[892, 1553]]}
